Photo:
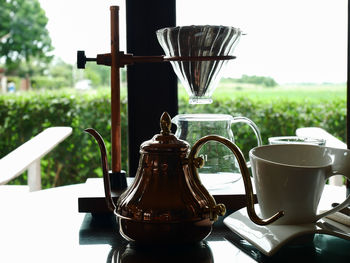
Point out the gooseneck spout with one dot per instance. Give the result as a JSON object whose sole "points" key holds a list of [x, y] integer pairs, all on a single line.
{"points": [[104, 163]]}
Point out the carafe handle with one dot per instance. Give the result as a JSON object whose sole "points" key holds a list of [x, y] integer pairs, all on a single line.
{"points": [[251, 125], [244, 171]]}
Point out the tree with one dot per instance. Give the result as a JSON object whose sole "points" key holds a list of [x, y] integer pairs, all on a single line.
{"points": [[99, 75], [58, 74], [60, 69], [259, 80], [24, 40]]}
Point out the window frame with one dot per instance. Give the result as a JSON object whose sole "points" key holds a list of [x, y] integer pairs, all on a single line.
{"points": [[143, 18]]}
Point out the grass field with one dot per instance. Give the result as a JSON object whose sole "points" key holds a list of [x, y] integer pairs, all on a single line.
{"points": [[228, 89], [297, 92]]}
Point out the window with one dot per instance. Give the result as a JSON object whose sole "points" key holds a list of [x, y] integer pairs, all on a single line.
{"points": [[291, 41]]}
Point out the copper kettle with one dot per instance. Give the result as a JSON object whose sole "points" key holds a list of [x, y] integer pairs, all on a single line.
{"points": [[167, 201]]}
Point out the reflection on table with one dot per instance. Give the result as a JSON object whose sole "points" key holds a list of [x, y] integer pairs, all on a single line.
{"points": [[45, 226]]}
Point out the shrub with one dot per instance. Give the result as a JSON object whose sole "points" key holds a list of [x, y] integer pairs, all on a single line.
{"points": [[23, 115], [258, 80], [43, 82], [277, 117]]}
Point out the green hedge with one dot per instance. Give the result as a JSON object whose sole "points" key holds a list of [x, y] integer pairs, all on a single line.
{"points": [[24, 115], [277, 117]]}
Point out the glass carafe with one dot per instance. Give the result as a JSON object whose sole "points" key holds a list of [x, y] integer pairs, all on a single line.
{"points": [[220, 166]]}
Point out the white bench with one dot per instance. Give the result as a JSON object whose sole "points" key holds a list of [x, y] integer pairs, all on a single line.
{"points": [[28, 156], [331, 141]]}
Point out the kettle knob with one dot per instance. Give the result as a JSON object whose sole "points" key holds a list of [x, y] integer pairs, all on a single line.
{"points": [[165, 123]]}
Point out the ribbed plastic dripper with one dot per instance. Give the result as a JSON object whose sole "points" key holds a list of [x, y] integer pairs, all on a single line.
{"points": [[199, 78]]}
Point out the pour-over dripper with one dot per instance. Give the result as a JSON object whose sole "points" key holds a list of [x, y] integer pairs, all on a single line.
{"points": [[199, 78]]}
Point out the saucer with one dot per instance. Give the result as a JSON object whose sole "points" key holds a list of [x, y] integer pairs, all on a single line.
{"points": [[269, 239]]}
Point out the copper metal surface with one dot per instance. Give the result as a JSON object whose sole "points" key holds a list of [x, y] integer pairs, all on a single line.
{"points": [[104, 164], [129, 59], [164, 203], [115, 91]]}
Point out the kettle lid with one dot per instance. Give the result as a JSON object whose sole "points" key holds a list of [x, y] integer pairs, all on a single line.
{"points": [[166, 141]]}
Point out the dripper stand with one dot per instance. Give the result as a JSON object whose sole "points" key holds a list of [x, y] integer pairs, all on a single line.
{"points": [[197, 64]]}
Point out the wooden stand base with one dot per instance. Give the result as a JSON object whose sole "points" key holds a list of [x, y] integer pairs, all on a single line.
{"points": [[92, 199]]}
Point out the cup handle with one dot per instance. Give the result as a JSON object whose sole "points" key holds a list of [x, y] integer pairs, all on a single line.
{"points": [[245, 174], [342, 205], [251, 125]]}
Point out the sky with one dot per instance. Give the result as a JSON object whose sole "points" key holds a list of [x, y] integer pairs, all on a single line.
{"points": [[290, 40]]}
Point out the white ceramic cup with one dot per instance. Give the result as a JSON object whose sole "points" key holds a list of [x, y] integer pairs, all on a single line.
{"points": [[291, 178]]}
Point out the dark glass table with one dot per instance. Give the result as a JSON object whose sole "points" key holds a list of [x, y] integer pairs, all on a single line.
{"points": [[45, 226]]}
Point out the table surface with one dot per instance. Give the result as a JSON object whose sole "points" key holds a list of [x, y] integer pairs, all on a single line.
{"points": [[45, 226]]}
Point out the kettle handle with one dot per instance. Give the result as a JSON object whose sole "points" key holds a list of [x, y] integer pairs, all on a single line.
{"points": [[104, 162], [244, 171]]}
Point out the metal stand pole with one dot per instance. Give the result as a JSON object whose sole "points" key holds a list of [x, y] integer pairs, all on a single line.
{"points": [[117, 176]]}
